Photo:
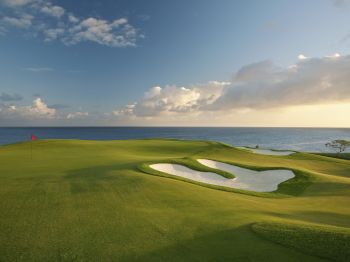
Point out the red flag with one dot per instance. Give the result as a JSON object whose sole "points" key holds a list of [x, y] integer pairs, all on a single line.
{"points": [[33, 137]]}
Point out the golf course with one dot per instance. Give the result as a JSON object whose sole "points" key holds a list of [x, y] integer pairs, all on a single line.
{"points": [[84, 200]]}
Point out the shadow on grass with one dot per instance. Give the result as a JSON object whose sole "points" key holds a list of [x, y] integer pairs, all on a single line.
{"points": [[319, 217], [93, 179], [238, 244], [328, 218]]}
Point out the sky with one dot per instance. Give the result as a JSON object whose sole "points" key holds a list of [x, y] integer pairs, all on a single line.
{"points": [[175, 63]]}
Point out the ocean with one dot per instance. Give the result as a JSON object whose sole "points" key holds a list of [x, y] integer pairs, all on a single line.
{"points": [[299, 139]]}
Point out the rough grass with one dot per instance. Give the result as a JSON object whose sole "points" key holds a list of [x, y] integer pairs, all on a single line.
{"points": [[89, 201]]}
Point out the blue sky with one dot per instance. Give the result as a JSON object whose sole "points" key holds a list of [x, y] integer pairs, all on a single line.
{"points": [[155, 62]]}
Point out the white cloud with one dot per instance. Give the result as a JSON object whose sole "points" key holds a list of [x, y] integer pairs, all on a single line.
{"points": [[23, 21], [13, 111], [53, 10], [174, 100], [76, 115], [302, 57], [53, 33], [336, 55], [117, 33], [38, 110], [16, 3], [314, 81], [250, 96], [128, 110], [255, 87], [72, 18], [64, 26]]}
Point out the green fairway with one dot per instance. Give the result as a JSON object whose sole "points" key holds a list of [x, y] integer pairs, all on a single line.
{"points": [[99, 201]]}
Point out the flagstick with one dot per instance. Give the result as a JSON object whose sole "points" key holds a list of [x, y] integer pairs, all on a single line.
{"points": [[31, 148]]}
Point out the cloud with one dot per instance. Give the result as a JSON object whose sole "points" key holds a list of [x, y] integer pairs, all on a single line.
{"points": [[77, 115], [336, 55], [261, 93], [5, 97], [53, 33], [257, 70], [258, 86], [53, 23], [174, 100], [72, 18], [53, 10], [117, 33], [312, 81], [302, 57], [38, 110], [39, 69], [16, 3], [23, 21]]}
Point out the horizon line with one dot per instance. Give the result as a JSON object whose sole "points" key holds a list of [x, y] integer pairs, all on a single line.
{"points": [[136, 126]]}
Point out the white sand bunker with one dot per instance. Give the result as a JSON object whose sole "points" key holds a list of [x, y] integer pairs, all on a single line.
{"points": [[265, 181], [268, 151]]}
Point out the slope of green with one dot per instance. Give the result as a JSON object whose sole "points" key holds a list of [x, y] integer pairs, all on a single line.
{"points": [[323, 241], [335, 155], [90, 201]]}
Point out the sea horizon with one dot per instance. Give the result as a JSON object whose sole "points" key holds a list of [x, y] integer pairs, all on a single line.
{"points": [[308, 139], [141, 126]]}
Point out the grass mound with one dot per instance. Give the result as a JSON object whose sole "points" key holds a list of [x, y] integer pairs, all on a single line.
{"points": [[323, 241]]}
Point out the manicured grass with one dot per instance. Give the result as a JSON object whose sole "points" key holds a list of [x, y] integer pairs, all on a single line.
{"points": [[335, 155], [324, 241], [92, 201]]}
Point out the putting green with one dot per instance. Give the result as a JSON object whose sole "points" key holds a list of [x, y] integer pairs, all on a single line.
{"points": [[100, 201]]}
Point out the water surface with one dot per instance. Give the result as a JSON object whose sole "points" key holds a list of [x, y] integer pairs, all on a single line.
{"points": [[300, 139]]}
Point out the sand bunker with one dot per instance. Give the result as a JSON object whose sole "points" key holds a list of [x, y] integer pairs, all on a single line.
{"points": [[264, 181], [268, 151]]}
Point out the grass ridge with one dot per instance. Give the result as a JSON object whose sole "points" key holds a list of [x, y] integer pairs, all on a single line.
{"points": [[323, 241]]}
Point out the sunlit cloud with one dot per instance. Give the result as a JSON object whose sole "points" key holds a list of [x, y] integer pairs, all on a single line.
{"points": [[258, 86], [38, 110], [302, 57]]}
